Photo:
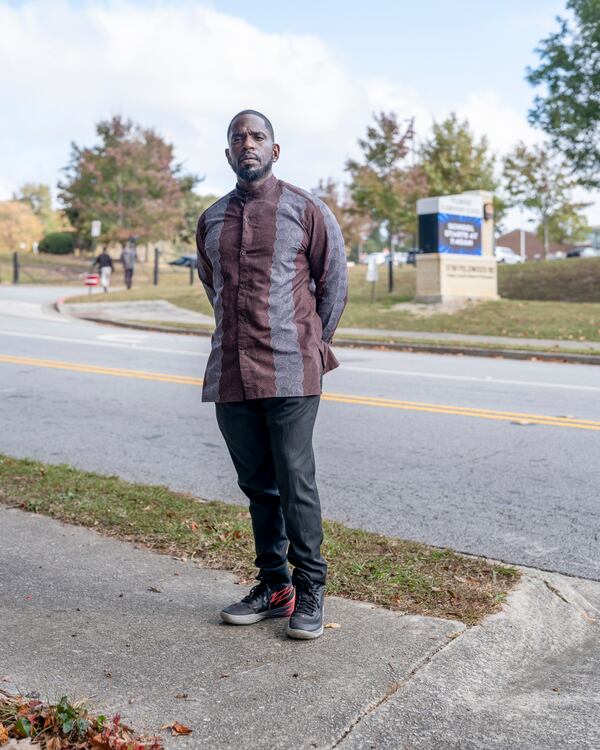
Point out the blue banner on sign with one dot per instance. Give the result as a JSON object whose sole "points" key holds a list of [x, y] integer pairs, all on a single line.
{"points": [[459, 234]]}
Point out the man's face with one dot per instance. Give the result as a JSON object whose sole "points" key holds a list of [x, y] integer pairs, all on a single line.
{"points": [[251, 151]]}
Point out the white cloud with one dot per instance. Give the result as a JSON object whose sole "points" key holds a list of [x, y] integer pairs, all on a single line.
{"points": [[185, 69], [502, 124]]}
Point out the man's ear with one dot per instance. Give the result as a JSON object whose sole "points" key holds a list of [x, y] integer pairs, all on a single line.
{"points": [[228, 156], [276, 151]]}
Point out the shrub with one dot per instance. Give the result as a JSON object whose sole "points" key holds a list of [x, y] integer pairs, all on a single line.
{"points": [[58, 243]]}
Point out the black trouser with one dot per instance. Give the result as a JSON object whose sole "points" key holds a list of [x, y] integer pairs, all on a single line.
{"points": [[270, 442], [128, 277]]}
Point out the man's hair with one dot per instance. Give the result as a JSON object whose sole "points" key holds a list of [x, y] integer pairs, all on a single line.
{"points": [[264, 118]]}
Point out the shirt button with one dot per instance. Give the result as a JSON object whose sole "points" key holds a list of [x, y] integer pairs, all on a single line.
{"points": [[243, 252]]}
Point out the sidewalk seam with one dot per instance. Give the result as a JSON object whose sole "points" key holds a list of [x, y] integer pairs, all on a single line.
{"points": [[394, 688]]}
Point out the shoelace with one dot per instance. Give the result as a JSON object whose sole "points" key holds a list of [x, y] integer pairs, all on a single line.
{"points": [[306, 601], [255, 591]]}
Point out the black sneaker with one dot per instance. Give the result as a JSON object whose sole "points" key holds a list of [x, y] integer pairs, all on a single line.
{"points": [[307, 619], [264, 600]]}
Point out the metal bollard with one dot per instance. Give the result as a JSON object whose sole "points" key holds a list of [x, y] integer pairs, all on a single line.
{"points": [[15, 268], [192, 270]]}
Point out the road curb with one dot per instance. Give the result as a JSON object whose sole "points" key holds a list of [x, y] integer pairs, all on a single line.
{"points": [[404, 346]]}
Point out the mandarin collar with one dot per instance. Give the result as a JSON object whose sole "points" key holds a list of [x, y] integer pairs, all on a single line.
{"points": [[265, 188]]}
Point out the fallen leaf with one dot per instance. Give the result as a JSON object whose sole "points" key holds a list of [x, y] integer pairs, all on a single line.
{"points": [[587, 618], [99, 742], [53, 743], [467, 579], [333, 625], [155, 589], [556, 690], [181, 695], [3, 734], [177, 728], [108, 674], [224, 674]]}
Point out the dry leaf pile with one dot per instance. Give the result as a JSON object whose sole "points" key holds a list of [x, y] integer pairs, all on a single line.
{"points": [[29, 724]]}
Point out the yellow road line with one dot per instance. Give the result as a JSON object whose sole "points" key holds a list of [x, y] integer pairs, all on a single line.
{"points": [[114, 371], [460, 411]]}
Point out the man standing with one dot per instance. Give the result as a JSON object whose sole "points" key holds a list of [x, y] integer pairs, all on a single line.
{"points": [[272, 261], [105, 264]]}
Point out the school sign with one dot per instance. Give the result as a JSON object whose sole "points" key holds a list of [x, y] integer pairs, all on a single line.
{"points": [[456, 237]]}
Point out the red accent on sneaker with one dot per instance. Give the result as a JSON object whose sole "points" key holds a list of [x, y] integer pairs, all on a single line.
{"points": [[279, 597]]}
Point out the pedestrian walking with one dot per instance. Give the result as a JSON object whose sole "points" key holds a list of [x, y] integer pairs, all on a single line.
{"points": [[128, 259], [272, 261], [105, 264]]}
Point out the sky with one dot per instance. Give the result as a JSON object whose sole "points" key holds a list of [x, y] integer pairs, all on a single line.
{"points": [[319, 70]]}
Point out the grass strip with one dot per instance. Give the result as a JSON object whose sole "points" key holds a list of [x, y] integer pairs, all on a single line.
{"points": [[393, 573], [569, 318]]}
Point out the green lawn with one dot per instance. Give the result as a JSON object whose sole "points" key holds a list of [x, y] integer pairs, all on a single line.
{"points": [[393, 573], [527, 318]]}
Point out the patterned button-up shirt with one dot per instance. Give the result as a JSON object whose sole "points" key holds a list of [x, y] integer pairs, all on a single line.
{"points": [[274, 268]]}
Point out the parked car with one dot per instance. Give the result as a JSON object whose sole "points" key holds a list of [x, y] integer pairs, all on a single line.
{"points": [[506, 255], [186, 261], [583, 252]]}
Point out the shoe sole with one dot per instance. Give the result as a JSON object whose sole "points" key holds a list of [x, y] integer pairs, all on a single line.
{"points": [[257, 617], [304, 635]]}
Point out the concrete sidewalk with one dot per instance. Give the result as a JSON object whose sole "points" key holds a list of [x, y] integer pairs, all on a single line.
{"points": [[162, 315], [78, 616]]}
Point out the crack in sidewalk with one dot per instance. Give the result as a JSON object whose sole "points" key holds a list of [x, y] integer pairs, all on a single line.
{"points": [[582, 611], [394, 688]]}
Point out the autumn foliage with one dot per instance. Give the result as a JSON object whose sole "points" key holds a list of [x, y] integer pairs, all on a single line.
{"points": [[129, 181], [18, 224]]}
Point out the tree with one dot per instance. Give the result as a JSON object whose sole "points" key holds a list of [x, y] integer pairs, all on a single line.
{"points": [[454, 161], [18, 224], [193, 205], [567, 225], [37, 196], [129, 181], [569, 111], [384, 186], [537, 179], [354, 224]]}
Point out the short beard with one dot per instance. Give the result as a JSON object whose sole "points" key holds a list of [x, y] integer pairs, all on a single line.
{"points": [[252, 174]]}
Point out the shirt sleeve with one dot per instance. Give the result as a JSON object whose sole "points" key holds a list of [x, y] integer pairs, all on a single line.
{"points": [[205, 270], [327, 261]]}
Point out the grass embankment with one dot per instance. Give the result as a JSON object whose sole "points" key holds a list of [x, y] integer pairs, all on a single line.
{"points": [[529, 317], [44, 269], [63, 269], [393, 573]]}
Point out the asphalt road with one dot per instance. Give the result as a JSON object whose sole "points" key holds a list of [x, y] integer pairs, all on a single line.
{"points": [[427, 447]]}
